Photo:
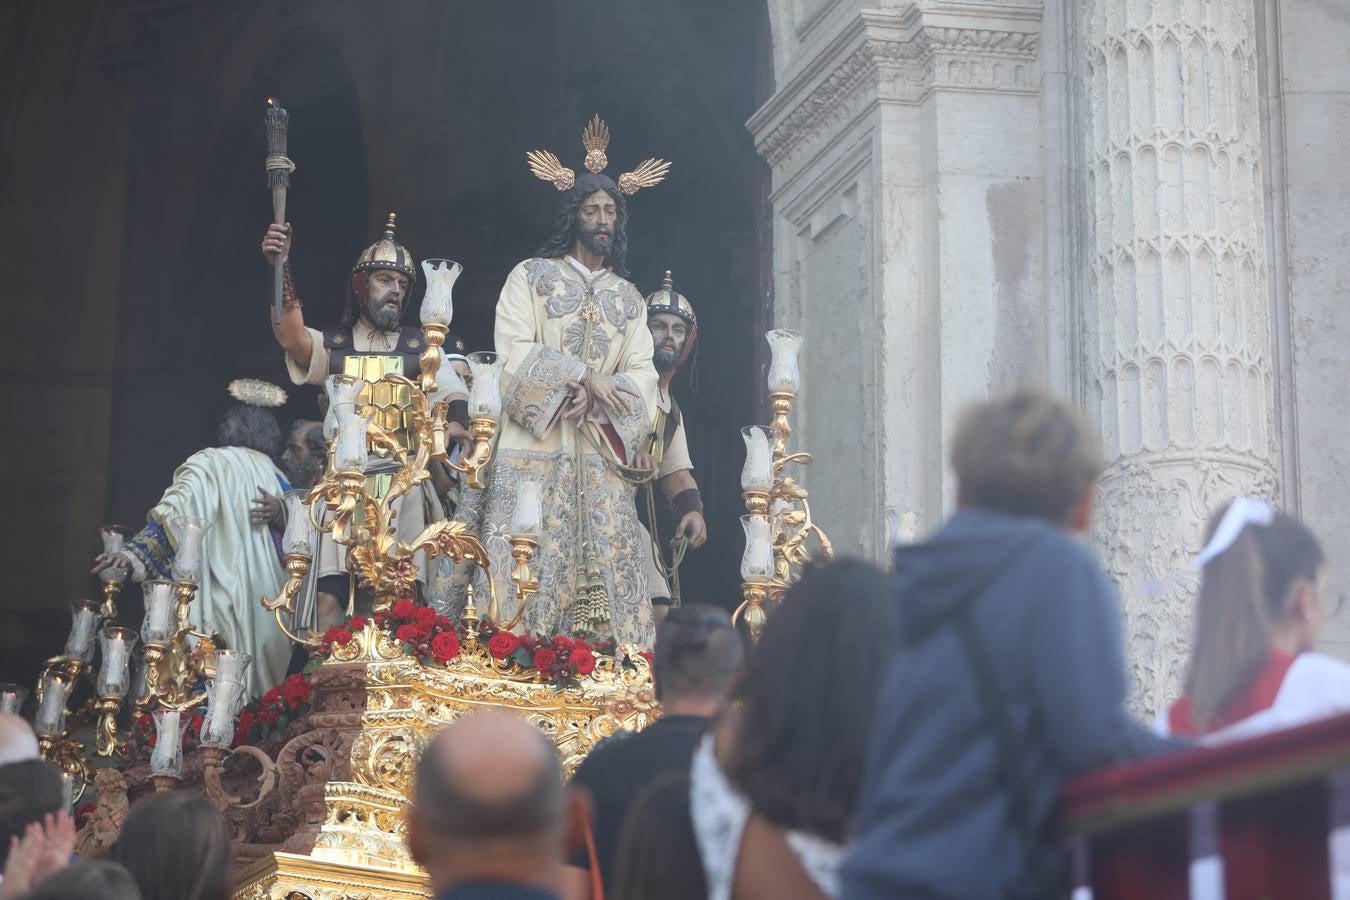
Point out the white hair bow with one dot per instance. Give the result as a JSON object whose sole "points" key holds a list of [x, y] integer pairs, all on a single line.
{"points": [[1242, 512]]}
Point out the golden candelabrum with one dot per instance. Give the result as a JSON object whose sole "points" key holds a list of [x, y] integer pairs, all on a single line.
{"points": [[778, 523]]}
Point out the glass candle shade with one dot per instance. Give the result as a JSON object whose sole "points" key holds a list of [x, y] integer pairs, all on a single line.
{"points": [[341, 390], [68, 791], [167, 756], [526, 519], [230, 665], [349, 454], [157, 627], [784, 375], [114, 538], [53, 691], [189, 555], [757, 560], [485, 397], [84, 621], [757, 474], [223, 699], [114, 672], [437, 306], [12, 697], [300, 534]]}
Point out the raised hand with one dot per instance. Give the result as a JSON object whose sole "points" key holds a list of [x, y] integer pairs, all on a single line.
{"points": [[277, 240], [109, 561]]}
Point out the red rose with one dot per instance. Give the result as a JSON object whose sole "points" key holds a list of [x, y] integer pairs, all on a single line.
{"points": [[424, 615], [446, 646], [544, 659], [647, 655], [443, 622], [379, 619], [404, 609], [581, 646], [562, 644], [337, 635], [406, 633], [296, 690], [529, 642], [357, 623], [582, 663], [272, 697], [245, 724], [503, 644], [269, 716]]}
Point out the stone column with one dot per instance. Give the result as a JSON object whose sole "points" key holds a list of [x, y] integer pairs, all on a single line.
{"points": [[1177, 351], [904, 142]]}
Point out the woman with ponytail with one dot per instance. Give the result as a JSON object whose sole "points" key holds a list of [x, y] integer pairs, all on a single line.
{"points": [[1257, 618]]}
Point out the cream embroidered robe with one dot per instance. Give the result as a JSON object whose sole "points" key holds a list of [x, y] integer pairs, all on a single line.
{"points": [[553, 325]]}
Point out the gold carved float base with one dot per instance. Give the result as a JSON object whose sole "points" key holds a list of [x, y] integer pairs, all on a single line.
{"points": [[344, 776]]}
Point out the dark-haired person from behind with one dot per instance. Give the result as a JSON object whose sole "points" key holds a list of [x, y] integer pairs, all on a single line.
{"points": [[30, 790], [96, 880], [775, 785], [1008, 679], [490, 817], [176, 847], [697, 659], [658, 856]]}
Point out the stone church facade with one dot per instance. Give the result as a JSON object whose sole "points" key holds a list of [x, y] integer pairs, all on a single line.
{"points": [[1136, 204]]}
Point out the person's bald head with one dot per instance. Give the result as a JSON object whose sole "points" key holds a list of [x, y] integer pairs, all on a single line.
{"points": [[17, 741], [489, 778]]}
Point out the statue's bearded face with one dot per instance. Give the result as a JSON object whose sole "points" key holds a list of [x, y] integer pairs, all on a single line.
{"points": [[595, 223], [669, 335], [385, 293], [303, 456]]}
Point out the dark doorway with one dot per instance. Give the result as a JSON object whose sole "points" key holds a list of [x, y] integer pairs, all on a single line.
{"points": [[425, 108]]}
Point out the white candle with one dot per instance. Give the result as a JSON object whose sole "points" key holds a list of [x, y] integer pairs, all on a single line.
{"points": [[437, 305], [166, 758], [187, 561], [231, 664], [757, 474], [350, 452], [11, 698], [526, 520], [113, 677], [218, 727], [299, 535], [485, 397], [784, 376], [80, 644], [159, 606], [757, 560], [51, 712]]}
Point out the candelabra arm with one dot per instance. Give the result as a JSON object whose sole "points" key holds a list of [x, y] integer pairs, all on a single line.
{"points": [[108, 610], [481, 432], [105, 735]]}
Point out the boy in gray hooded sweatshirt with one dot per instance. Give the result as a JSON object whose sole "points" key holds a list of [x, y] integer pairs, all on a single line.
{"points": [[1009, 680]]}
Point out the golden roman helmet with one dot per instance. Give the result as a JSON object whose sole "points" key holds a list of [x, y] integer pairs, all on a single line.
{"points": [[387, 253], [667, 300]]}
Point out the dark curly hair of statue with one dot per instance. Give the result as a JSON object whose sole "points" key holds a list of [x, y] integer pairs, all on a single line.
{"points": [[798, 745], [564, 236], [252, 427]]}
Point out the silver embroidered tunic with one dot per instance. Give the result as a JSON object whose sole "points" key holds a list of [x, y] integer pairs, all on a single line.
{"points": [[554, 324]]}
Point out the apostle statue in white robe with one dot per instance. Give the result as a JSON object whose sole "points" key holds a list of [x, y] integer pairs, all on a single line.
{"points": [[578, 401], [240, 558]]}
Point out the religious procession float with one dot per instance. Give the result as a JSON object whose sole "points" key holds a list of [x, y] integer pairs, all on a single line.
{"points": [[314, 774]]}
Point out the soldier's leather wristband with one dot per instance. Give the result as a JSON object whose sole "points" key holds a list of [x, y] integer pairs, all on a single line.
{"points": [[687, 501]]}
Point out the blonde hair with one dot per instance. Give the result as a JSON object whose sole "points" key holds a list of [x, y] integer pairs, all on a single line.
{"points": [[1242, 599], [1026, 455]]}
